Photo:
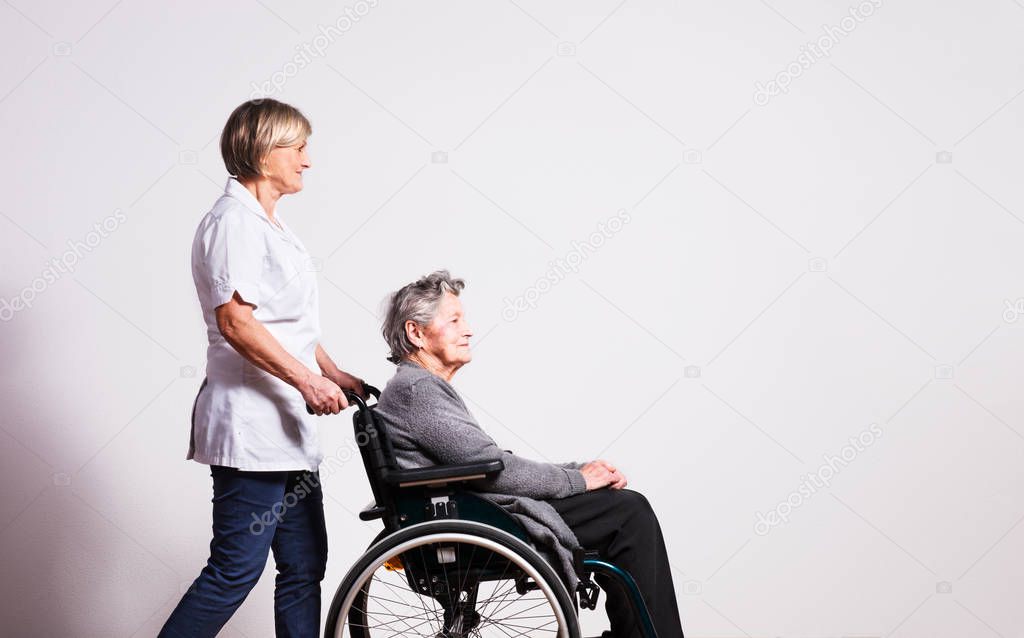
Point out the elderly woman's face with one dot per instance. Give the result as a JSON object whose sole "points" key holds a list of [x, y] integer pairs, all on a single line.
{"points": [[447, 336], [284, 166]]}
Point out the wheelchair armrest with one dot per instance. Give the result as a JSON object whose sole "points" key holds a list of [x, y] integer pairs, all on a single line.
{"points": [[440, 474], [372, 512]]}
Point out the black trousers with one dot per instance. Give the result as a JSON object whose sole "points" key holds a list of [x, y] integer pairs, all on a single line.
{"points": [[622, 526]]}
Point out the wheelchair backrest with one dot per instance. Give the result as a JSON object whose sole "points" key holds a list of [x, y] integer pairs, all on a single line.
{"points": [[376, 451]]}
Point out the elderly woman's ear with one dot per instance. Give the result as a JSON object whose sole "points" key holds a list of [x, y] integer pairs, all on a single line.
{"points": [[414, 332]]}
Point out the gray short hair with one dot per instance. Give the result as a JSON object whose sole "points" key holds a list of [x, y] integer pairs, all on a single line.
{"points": [[417, 302]]}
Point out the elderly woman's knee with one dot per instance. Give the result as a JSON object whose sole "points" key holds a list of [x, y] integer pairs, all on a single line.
{"points": [[636, 501], [635, 510], [628, 504]]}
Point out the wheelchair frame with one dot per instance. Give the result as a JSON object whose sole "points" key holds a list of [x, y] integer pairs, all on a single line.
{"points": [[411, 499]]}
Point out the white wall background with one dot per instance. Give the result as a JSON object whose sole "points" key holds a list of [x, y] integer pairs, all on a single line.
{"points": [[847, 254]]}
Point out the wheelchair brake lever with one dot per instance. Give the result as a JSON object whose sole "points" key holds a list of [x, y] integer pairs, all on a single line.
{"points": [[586, 588], [588, 592]]}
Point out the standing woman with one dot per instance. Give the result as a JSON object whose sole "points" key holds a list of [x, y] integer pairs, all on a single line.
{"points": [[259, 298]]}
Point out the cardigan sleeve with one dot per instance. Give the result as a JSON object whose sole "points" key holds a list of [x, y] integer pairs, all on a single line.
{"points": [[447, 432]]}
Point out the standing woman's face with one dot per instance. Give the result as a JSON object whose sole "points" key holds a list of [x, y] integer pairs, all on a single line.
{"points": [[284, 166]]}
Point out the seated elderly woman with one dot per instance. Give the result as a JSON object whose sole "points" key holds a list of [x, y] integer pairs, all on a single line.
{"points": [[562, 506]]}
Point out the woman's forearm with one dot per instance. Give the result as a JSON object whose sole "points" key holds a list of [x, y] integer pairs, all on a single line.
{"points": [[327, 365], [535, 479], [450, 434], [253, 341]]}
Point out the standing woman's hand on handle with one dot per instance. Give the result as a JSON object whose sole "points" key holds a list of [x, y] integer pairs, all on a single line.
{"points": [[322, 395]]}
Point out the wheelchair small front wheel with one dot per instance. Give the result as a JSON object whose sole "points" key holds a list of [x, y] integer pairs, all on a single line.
{"points": [[451, 579]]}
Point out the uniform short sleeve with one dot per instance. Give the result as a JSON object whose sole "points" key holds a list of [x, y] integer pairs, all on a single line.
{"points": [[232, 257]]}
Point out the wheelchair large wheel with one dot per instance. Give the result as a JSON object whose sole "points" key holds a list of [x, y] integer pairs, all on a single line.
{"points": [[451, 579]]}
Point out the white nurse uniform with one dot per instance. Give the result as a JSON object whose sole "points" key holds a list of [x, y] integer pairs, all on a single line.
{"points": [[245, 417]]}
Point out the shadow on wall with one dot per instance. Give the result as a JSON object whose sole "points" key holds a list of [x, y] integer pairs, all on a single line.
{"points": [[100, 517]]}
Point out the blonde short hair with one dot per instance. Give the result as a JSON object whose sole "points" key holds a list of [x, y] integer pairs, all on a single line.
{"points": [[254, 129]]}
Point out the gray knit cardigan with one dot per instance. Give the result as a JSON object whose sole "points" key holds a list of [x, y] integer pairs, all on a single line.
{"points": [[429, 424]]}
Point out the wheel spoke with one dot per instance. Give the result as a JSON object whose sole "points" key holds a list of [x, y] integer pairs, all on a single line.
{"points": [[400, 592], [455, 568]]}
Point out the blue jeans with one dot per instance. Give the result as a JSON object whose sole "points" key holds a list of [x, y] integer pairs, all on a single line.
{"points": [[253, 513]]}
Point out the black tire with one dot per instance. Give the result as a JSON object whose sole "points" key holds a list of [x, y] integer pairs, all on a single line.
{"points": [[351, 598]]}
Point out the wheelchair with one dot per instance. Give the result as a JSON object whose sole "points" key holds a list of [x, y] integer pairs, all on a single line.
{"points": [[450, 564]]}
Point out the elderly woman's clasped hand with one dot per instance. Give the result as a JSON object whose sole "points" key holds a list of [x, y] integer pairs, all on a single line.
{"points": [[601, 473]]}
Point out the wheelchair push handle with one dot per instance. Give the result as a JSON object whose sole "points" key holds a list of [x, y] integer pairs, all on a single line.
{"points": [[354, 398]]}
